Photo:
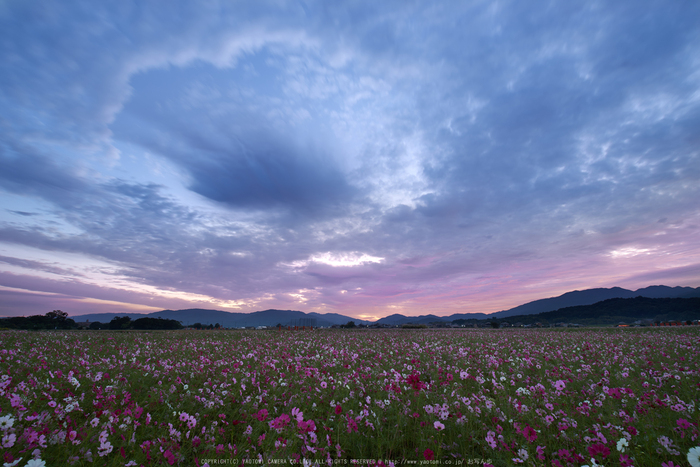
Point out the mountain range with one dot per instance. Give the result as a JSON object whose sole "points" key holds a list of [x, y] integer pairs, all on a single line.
{"points": [[618, 311], [291, 317], [233, 320]]}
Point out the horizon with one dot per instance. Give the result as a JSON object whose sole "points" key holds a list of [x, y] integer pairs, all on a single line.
{"points": [[365, 159], [372, 320]]}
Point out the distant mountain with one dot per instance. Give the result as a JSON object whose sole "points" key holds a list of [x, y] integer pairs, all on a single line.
{"points": [[335, 318], [290, 317], [232, 320], [591, 296], [468, 316], [398, 319], [106, 317], [616, 310]]}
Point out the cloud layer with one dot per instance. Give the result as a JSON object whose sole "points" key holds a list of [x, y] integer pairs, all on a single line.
{"points": [[363, 159]]}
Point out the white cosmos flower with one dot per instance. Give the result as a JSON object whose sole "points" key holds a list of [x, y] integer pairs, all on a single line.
{"points": [[622, 444], [6, 422], [694, 456]]}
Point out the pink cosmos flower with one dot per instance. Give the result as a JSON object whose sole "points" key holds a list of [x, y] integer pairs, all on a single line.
{"points": [[338, 409], [529, 433], [560, 385], [598, 448], [428, 454], [280, 422], [352, 426], [105, 448], [439, 426], [169, 456], [683, 423], [307, 426], [540, 452], [298, 414], [9, 440], [192, 422], [262, 415]]}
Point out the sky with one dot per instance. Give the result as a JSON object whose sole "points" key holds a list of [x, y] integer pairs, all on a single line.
{"points": [[362, 158]]}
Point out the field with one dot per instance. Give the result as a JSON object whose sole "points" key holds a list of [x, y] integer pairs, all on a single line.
{"points": [[613, 397]]}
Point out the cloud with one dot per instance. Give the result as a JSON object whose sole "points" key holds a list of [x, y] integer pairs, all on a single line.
{"points": [[476, 148], [244, 162], [25, 172]]}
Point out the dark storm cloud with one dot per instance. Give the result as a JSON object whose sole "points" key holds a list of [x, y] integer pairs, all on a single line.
{"points": [[473, 145], [268, 173]]}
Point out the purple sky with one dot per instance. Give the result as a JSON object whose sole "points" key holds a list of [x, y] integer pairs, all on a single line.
{"points": [[363, 158]]}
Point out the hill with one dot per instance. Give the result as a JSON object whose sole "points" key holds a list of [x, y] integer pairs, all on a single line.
{"points": [[227, 319], [591, 296], [616, 310], [291, 317]]}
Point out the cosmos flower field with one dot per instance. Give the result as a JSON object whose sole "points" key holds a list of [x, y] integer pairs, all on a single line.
{"points": [[613, 397]]}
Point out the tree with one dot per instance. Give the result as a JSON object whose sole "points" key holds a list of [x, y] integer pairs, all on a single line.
{"points": [[197, 325], [217, 326], [156, 323], [96, 325], [56, 319], [120, 323], [57, 315], [350, 325]]}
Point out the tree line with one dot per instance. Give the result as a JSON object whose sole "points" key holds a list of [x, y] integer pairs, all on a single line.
{"points": [[58, 319]]}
